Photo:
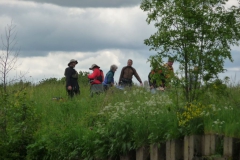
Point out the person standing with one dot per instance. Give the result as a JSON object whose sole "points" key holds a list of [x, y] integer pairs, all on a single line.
{"points": [[127, 73], [164, 73], [169, 67], [71, 76], [109, 78], [96, 78]]}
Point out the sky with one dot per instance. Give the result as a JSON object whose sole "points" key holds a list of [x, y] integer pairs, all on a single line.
{"points": [[49, 33]]}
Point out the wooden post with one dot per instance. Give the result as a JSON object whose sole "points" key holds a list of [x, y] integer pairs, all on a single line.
{"points": [[174, 150], [157, 153], [192, 147], [209, 142], [125, 157], [142, 153], [231, 148]]}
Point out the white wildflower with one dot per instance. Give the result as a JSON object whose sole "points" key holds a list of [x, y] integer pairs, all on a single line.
{"points": [[214, 108], [100, 113], [215, 122], [203, 113]]}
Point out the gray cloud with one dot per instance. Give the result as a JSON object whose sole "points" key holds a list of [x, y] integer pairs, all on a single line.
{"points": [[44, 28], [90, 3]]}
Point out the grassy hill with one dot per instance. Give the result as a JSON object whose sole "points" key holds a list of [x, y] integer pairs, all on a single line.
{"points": [[41, 122]]}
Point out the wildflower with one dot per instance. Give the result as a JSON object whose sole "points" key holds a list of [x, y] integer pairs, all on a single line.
{"points": [[213, 107], [125, 92], [215, 122]]}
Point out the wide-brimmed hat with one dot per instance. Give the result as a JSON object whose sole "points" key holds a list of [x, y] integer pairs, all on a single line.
{"points": [[73, 60], [94, 65]]}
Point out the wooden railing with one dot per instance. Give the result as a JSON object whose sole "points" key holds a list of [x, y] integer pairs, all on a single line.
{"points": [[195, 147]]}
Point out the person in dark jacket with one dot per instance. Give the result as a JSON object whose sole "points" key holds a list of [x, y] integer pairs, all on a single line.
{"points": [[127, 73], [71, 75], [109, 78]]}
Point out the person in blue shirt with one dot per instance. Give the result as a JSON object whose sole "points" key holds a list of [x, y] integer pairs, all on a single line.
{"points": [[109, 78]]}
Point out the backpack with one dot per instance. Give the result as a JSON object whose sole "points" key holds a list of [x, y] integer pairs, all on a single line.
{"points": [[101, 77]]}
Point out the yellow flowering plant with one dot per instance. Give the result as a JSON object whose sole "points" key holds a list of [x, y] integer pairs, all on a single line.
{"points": [[190, 118]]}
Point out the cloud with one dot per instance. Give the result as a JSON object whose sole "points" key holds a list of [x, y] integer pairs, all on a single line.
{"points": [[49, 35], [46, 27], [54, 64], [90, 3]]}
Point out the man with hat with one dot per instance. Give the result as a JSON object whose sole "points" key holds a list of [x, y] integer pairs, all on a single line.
{"points": [[96, 78], [71, 75]]}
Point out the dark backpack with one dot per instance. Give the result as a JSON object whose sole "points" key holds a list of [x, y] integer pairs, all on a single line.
{"points": [[101, 77]]}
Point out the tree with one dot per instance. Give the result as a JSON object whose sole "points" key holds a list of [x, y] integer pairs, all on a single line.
{"points": [[197, 33], [9, 55]]}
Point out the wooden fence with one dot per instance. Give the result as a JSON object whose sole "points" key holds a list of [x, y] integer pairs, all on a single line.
{"points": [[195, 147]]}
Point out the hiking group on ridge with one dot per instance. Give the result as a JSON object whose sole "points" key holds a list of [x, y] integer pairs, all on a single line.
{"points": [[100, 83]]}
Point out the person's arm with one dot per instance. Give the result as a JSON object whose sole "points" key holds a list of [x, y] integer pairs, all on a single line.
{"points": [[94, 74], [68, 75], [111, 79], [137, 76]]}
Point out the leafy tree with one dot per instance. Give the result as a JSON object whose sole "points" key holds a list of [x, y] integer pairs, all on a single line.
{"points": [[197, 33]]}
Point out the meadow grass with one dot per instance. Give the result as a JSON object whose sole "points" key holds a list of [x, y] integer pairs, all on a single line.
{"points": [[115, 122]]}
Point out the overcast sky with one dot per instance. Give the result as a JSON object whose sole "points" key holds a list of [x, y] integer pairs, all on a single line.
{"points": [[105, 32]]}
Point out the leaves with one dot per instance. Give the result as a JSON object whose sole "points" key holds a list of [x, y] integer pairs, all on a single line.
{"points": [[198, 33]]}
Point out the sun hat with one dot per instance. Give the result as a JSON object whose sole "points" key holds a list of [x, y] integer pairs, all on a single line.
{"points": [[94, 65], [72, 60]]}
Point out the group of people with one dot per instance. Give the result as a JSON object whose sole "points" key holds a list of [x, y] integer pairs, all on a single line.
{"points": [[99, 82]]}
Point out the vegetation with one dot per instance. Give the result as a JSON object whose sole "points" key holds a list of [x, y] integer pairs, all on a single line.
{"points": [[43, 123], [198, 34]]}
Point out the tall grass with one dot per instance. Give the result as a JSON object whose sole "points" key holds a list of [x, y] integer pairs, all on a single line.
{"points": [[115, 122]]}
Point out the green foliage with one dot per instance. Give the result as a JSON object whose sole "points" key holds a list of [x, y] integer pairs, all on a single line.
{"points": [[18, 124], [35, 126], [196, 33], [160, 71]]}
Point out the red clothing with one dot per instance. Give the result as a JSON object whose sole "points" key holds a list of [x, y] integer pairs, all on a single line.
{"points": [[94, 75]]}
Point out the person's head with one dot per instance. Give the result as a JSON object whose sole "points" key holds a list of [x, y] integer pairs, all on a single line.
{"points": [[170, 61], [72, 63], [94, 66], [113, 68], [129, 62]]}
